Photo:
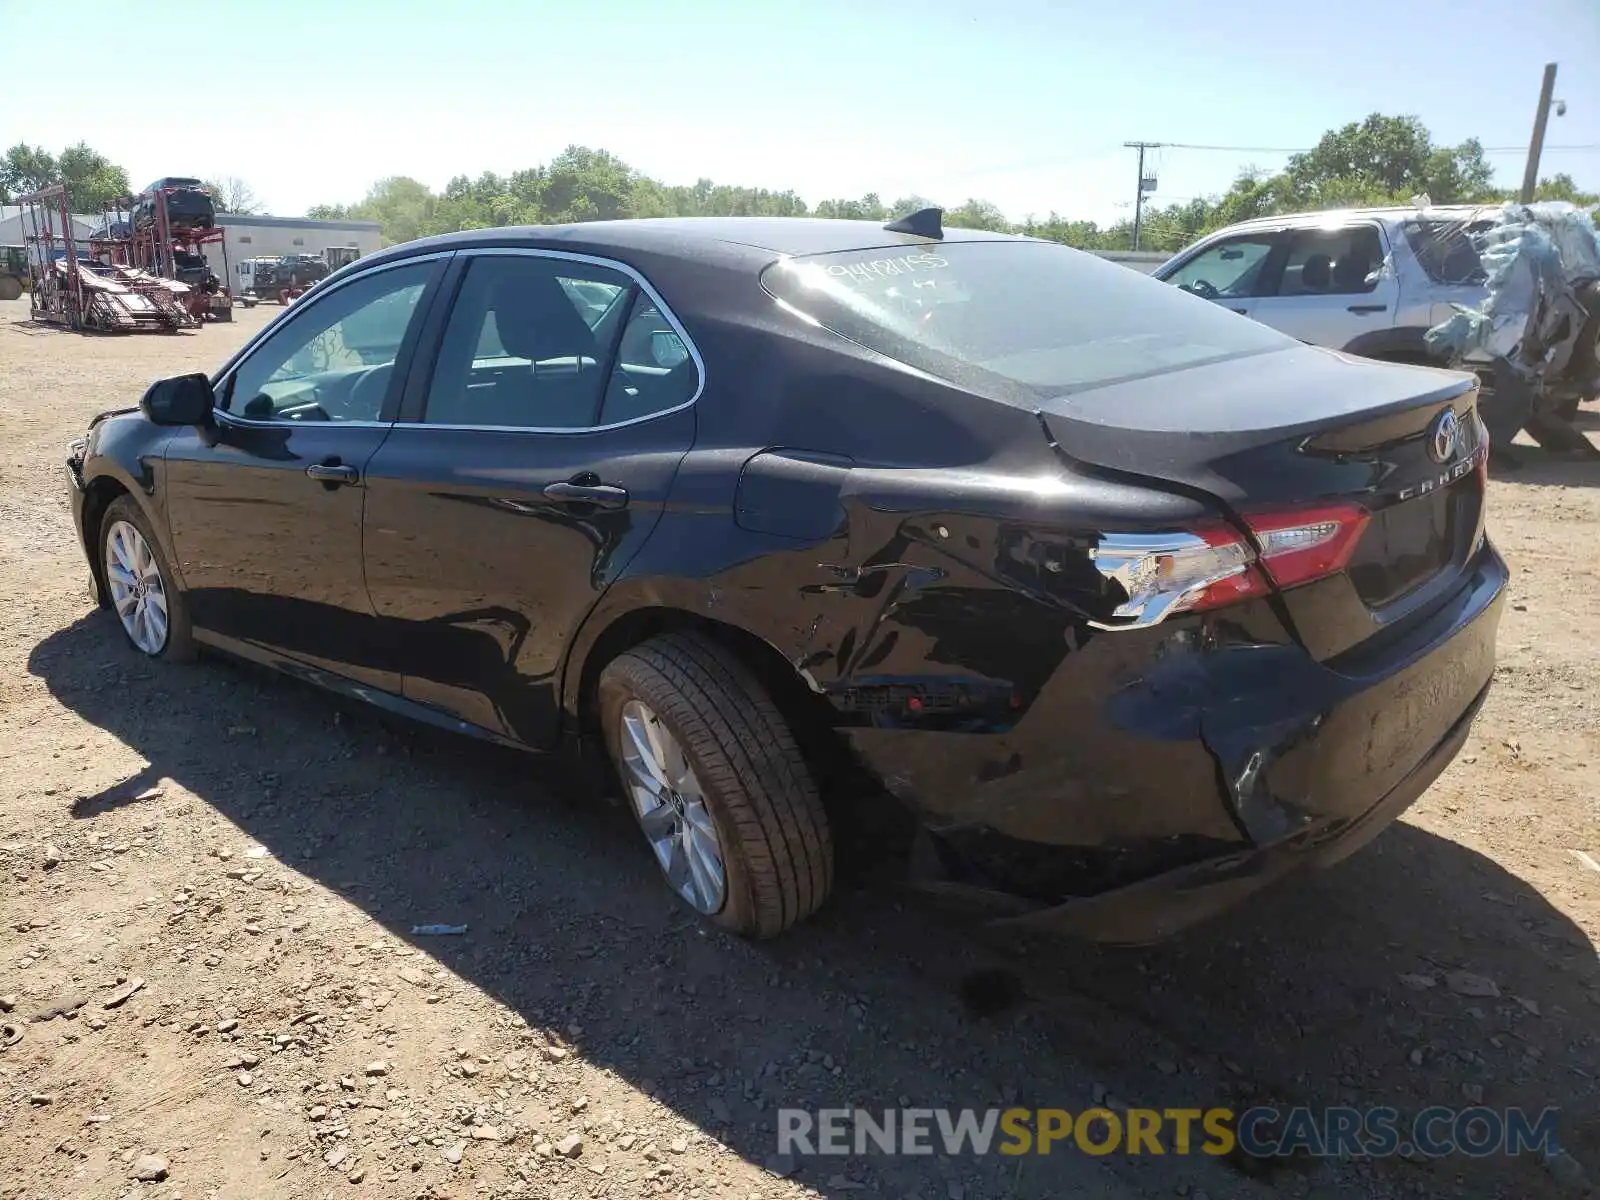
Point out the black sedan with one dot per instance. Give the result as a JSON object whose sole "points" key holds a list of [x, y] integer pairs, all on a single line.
{"points": [[1134, 605]]}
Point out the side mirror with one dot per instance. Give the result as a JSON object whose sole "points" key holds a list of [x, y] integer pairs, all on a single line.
{"points": [[181, 400], [667, 348]]}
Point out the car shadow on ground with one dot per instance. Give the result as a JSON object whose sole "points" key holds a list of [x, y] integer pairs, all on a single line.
{"points": [[1296, 999]]}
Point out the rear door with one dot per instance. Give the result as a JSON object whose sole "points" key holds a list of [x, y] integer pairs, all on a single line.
{"points": [[265, 509], [530, 464], [1231, 271], [1330, 288]]}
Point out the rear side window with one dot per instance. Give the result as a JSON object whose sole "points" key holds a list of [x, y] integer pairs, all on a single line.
{"points": [[538, 342], [1036, 314], [1326, 262], [1445, 249], [521, 349]]}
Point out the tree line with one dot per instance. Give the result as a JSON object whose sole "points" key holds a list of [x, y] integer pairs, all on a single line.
{"points": [[1380, 160]]}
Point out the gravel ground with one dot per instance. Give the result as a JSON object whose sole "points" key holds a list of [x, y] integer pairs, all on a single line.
{"points": [[253, 855]]}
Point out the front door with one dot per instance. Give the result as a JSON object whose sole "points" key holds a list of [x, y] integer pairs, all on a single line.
{"points": [[1332, 287], [266, 508], [558, 410]]}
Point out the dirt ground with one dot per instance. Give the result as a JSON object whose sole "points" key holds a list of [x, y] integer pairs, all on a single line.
{"points": [[257, 854]]}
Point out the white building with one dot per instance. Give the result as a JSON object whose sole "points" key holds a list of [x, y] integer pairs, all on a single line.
{"points": [[246, 237], [14, 230]]}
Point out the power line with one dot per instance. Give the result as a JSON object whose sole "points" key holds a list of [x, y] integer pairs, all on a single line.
{"points": [[1307, 149]]}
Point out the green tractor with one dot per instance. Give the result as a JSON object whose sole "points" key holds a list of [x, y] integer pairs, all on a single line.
{"points": [[13, 272]]}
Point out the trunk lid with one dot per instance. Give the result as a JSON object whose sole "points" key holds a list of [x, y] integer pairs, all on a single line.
{"points": [[1302, 427]]}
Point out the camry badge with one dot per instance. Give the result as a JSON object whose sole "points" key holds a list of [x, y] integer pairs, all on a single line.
{"points": [[1442, 436]]}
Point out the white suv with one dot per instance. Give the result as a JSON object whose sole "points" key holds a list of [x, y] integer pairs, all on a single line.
{"points": [[1373, 282], [1317, 277]]}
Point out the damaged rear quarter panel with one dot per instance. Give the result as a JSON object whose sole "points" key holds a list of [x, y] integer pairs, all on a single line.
{"points": [[971, 592]]}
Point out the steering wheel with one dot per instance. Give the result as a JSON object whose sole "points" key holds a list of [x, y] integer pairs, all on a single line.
{"points": [[1203, 288]]}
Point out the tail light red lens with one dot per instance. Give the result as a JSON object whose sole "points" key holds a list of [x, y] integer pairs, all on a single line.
{"points": [[1307, 544], [1214, 566]]}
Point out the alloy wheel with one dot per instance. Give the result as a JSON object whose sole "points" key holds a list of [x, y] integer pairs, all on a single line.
{"points": [[138, 592], [671, 808]]}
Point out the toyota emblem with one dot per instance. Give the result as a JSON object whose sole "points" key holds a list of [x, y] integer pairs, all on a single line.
{"points": [[1442, 436]]}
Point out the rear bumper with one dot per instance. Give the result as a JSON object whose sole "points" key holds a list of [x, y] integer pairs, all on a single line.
{"points": [[1161, 906], [1159, 779]]}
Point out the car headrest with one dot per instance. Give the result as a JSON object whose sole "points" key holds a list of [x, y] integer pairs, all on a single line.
{"points": [[1317, 272], [536, 320], [1351, 271]]}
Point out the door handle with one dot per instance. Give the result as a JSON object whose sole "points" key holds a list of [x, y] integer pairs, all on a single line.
{"points": [[1368, 308], [1240, 311], [601, 495], [333, 473]]}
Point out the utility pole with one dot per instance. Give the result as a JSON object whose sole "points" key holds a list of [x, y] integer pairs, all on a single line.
{"points": [[1146, 184], [1530, 177]]}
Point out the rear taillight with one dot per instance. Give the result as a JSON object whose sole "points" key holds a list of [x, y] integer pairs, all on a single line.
{"points": [[1157, 575], [1300, 546]]}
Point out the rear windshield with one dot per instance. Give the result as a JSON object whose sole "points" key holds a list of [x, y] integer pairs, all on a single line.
{"points": [[1033, 313]]}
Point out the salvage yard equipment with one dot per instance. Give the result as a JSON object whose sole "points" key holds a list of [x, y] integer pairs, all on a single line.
{"points": [[169, 229], [13, 271], [84, 292], [123, 299]]}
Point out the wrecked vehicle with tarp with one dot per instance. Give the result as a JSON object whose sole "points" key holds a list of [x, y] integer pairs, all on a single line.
{"points": [[1534, 336]]}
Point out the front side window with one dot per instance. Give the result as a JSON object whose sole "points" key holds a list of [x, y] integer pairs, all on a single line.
{"points": [[333, 360], [1332, 262], [1034, 314], [550, 343], [1230, 270]]}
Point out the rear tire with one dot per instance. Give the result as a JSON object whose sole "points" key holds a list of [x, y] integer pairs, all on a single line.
{"points": [[10, 287], [775, 845]]}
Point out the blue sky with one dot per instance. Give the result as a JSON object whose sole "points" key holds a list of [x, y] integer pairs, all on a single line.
{"points": [[1022, 102]]}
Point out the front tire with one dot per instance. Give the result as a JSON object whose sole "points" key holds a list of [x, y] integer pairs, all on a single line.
{"points": [[716, 781], [140, 585]]}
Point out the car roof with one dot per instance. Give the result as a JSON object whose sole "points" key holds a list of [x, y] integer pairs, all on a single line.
{"points": [[1334, 215], [680, 235]]}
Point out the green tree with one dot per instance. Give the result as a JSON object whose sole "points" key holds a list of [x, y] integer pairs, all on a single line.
{"points": [[586, 185], [28, 168], [868, 208], [404, 208], [1562, 187], [1388, 158], [974, 214], [91, 178]]}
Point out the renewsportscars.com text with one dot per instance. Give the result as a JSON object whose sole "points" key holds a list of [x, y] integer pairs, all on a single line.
{"points": [[1260, 1132]]}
